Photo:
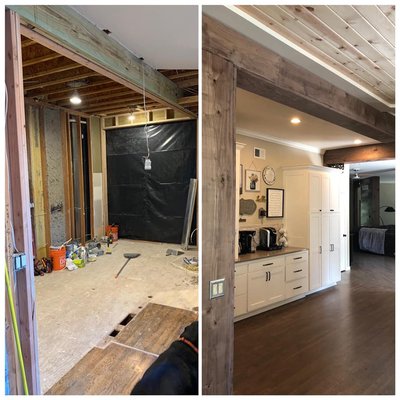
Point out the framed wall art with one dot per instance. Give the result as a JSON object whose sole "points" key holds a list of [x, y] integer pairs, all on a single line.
{"points": [[252, 180], [275, 199]]}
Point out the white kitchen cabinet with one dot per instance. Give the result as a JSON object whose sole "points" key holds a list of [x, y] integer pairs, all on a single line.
{"points": [[265, 286], [312, 219], [240, 290]]}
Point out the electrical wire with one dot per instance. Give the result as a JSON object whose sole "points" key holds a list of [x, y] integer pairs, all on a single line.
{"points": [[16, 333]]}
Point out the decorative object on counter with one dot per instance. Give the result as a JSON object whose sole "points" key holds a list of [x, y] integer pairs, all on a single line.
{"points": [[247, 242], [283, 237], [275, 203], [247, 207], [252, 180], [268, 175], [261, 199]]}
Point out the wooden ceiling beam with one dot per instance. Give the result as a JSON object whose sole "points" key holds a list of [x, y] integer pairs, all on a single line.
{"points": [[189, 100], [46, 92], [61, 80], [47, 72], [188, 83], [121, 104], [128, 99], [152, 107], [185, 74], [66, 31], [38, 60], [358, 154], [95, 94], [263, 72]]}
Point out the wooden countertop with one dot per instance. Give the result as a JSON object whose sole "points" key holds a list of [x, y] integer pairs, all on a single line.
{"points": [[263, 254]]}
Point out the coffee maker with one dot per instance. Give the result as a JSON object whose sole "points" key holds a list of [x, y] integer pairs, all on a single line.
{"points": [[246, 242], [268, 237]]}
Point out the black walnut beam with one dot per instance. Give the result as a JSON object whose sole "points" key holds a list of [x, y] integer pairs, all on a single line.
{"points": [[267, 74], [94, 48], [357, 154]]}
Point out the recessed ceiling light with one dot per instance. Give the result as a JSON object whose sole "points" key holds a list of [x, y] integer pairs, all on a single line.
{"points": [[295, 121], [75, 99], [357, 141]]}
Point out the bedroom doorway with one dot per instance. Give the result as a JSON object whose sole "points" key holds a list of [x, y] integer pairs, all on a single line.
{"points": [[372, 208]]}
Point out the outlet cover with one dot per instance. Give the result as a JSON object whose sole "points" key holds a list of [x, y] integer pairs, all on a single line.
{"points": [[217, 288]]}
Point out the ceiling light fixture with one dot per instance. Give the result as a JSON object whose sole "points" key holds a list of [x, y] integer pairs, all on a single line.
{"points": [[357, 141], [295, 121], [75, 99], [131, 117]]}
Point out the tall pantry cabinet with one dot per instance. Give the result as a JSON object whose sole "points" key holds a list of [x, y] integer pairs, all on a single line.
{"points": [[312, 219]]}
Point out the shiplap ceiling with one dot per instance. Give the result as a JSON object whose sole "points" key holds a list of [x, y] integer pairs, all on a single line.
{"points": [[357, 41], [352, 47]]}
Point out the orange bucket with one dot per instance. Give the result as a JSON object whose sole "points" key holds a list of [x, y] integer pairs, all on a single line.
{"points": [[57, 256], [113, 230]]}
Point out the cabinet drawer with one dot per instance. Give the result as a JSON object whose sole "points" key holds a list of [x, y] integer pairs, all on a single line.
{"points": [[296, 271], [296, 287], [240, 269], [240, 305], [296, 258], [267, 263], [240, 284]]}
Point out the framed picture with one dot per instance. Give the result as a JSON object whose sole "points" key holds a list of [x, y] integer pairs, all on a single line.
{"points": [[275, 199], [252, 180], [241, 180]]}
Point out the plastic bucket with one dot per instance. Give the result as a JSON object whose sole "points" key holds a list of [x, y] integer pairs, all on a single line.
{"points": [[57, 256], [113, 230]]}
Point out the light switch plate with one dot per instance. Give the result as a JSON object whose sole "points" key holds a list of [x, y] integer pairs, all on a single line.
{"points": [[217, 288]]}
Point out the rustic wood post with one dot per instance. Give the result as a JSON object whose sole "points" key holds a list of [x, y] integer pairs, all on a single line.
{"points": [[218, 221]]}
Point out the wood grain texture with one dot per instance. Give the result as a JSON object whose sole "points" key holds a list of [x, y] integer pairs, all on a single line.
{"points": [[16, 148], [218, 220], [265, 73], [69, 29], [339, 341], [357, 154], [110, 371], [155, 328]]}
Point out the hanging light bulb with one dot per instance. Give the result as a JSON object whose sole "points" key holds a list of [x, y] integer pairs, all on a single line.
{"points": [[75, 99]]}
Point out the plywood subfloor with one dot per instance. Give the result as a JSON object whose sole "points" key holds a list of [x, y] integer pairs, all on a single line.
{"points": [[154, 327], [77, 309], [110, 371]]}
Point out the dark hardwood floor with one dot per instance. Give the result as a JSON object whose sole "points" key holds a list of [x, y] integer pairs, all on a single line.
{"points": [[339, 341]]}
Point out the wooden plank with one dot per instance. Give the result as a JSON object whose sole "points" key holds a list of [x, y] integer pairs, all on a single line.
{"points": [[94, 94], [38, 60], [67, 28], [51, 71], [19, 182], [91, 206], [104, 172], [189, 100], [263, 72], [218, 187], [111, 371], [357, 154], [155, 328], [124, 105]]}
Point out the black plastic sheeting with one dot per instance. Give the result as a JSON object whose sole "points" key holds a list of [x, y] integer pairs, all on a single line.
{"points": [[150, 205]]}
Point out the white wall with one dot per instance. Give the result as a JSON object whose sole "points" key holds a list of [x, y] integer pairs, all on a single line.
{"points": [[277, 156]]}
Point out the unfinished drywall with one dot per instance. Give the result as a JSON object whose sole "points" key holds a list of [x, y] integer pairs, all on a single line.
{"points": [[276, 156], [55, 174]]}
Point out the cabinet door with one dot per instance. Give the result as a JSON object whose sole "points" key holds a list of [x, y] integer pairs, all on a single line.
{"points": [[256, 289], [325, 195], [275, 285], [315, 251], [315, 192], [334, 254], [325, 244], [334, 192]]}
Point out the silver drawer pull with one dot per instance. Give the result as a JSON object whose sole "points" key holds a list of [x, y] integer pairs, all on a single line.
{"points": [[297, 287], [298, 270], [266, 265], [297, 258]]}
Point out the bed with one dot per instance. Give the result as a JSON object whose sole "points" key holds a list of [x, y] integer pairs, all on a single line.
{"points": [[378, 240]]}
